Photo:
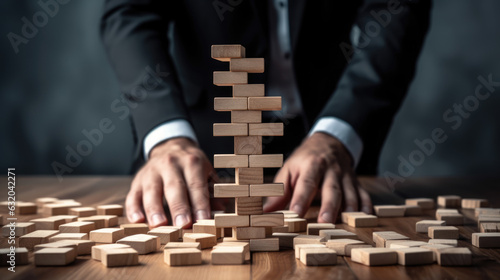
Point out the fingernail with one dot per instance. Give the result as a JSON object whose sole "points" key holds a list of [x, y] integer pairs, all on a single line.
{"points": [[136, 217], [201, 215], [366, 209], [349, 209], [181, 220], [327, 217], [157, 219], [297, 209]]}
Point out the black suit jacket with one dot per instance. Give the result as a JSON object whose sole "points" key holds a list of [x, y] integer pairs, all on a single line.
{"points": [[161, 53]]}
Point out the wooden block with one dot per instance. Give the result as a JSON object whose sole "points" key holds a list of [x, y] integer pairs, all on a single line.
{"points": [[398, 244], [58, 244], [166, 233], [182, 256], [228, 255], [248, 90], [264, 245], [36, 237], [486, 211], [443, 232], [451, 242], [67, 218], [69, 236], [110, 209], [449, 201], [489, 227], [58, 208], [107, 235], [26, 208], [265, 103], [414, 256], [227, 52], [247, 176], [487, 219], [374, 256], [230, 190], [343, 247], [68, 201], [337, 234], [109, 220], [206, 240], [98, 221], [472, 203], [318, 256], [230, 129], [248, 206], [486, 240], [82, 211], [267, 190], [226, 78], [381, 237], [182, 245], [308, 239], [19, 229], [267, 220], [41, 201], [389, 210], [246, 233], [132, 229], [231, 220], [440, 212], [21, 256], [285, 239], [452, 219], [248, 145], [83, 247], [250, 65], [296, 224], [424, 203], [362, 221], [245, 245], [265, 129], [230, 103], [434, 248], [230, 161], [246, 116], [267, 161], [54, 256], [454, 257], [283, 229], [345, 215], [207, 226], [142, 243], [50, 223], [77, 227], [423, 226], [314, 228], [120, 257], [412, 210], [299, 248]]}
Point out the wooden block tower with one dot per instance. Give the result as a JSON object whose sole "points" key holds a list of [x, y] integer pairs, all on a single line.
{"points": [[246, 106]]}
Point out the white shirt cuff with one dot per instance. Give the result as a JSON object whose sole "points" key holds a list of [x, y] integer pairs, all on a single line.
{"points": [[168, 130], [343, 132]]}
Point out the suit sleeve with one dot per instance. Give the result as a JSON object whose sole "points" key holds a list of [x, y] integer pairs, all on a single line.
{"points": [[386, 40], [134, 33]]}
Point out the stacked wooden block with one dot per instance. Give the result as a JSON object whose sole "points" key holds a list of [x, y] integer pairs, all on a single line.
{"points": [[246, 106]]}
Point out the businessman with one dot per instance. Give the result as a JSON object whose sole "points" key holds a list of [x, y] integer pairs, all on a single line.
{"points": [[342, 68]]}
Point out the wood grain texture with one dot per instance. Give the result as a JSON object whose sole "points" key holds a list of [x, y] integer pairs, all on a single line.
{"points": [[230, 161], [54, 256], [250, 65], [267, 161], [265, 129], [267, 220], [231, 190], [231, 220], [230, 103], [226, 78], [226, 52], [265, 103], [36, 237], [248, 90], [314, 228], [248, 206], [230, 129], [106, 235], [248, 145], [82, 211], [110, 209], [267, 190], [246, 116], [247, 233], [247, 176]]}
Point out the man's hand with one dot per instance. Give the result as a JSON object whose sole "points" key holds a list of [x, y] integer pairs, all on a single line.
{"points": [[178, 170], [321, 163]]}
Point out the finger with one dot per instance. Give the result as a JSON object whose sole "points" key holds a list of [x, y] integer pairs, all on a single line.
{"points": [[331, 200], [280, 202], [305, 190], [153, 200], [196, 175], [133, 203], [177, 197], [350, 192], [366, 202]]}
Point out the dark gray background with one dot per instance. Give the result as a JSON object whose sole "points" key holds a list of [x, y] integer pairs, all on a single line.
{"points": [[60, 83]]}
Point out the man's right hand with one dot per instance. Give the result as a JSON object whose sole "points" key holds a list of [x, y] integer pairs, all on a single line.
{"points": [[178, 169]]}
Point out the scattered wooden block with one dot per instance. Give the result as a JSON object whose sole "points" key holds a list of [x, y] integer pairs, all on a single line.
{"points": [[486, 240], [246, 116], [26, 208], [248, 206], [434, 248], [246, 233], [299, 248], [452, 219], [389, 210], [69, 236], [443, 232], [54, 256], [423, 226], [83, 247], [487, 219], [230, 161], [207, 226], [107, 235], [20, 253], [247, 176], [296, 224], [97, 220], [182, 256], [58, 208], [110, 209], [50, 223], [265, 103], [414, 256], [182, 245], [133, 229], [374, 256], [343, 247], [265, 129], [58, 244], [381, 237], [345, 215], [486, 211], [489, 227], [82, 211], [227, 52], [268, 161], [472, 203], [248, 90], [19, 229], [451, 242], [245, 245], [314, 228], [120, 257], [206, 240], [285, 239], [230, 129], [77, 227], [412, 210], [67, 218], [142, 243], [109, 220], [36, 237], [337, 234], [166, 233], [41, 201], [454, 257], [398, 244], [230, 103], [267, 190], [440, 212], [231, 220], [282, 229], [308, 239], [267, 220], [318, 256], [226, 78], [449, 201], [250, 65], [228, 255], [264, 245], [362, 221], [424, 203], [248, 145], [98, 249]]}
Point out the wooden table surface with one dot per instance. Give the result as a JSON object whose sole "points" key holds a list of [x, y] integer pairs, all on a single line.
{"points": [[93, 191]]}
